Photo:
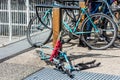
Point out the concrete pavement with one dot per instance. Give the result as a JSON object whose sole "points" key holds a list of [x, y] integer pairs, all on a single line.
{"points": [[13, 49], [27, 63]]}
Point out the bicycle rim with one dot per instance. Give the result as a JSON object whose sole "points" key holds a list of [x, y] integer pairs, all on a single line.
{"points": [[106, 34], [117, 42], [37, 33]]}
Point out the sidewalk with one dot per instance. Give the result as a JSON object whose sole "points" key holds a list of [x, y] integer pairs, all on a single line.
{"points": [[13, 49], [27, 63]]}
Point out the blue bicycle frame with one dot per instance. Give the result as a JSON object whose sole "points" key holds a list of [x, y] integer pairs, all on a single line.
{"points": [[74, 30]]}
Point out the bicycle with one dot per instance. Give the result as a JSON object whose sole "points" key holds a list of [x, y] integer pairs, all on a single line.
{"points": [[95, 22], [112, 13], [36, 27], [100, 32], [57, 58], [61, 61]]}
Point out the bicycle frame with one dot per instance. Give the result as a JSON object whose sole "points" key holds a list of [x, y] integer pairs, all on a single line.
{"points": [[74, 30], [61, 54], [49, 11]]}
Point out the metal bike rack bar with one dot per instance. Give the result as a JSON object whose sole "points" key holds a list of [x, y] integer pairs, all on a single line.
{"points": [[61, 7]]}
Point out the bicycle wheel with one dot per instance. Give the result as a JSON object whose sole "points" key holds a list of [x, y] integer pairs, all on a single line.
{"points": [[37, 33], [117, 40], [104, 36], [116, 18], [117, 43]]}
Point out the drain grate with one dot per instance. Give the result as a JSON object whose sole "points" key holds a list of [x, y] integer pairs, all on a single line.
{"points": [[50, 74]]}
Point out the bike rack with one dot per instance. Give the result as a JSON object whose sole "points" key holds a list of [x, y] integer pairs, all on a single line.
{"points": [[57, 12], [57, 23]]}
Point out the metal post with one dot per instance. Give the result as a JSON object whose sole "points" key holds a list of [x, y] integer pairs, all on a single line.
{"points": [[56, 24], [10, 23], [28, 11]]}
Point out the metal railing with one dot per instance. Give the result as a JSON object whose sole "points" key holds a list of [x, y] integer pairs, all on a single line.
{"points": [[14, 18]]}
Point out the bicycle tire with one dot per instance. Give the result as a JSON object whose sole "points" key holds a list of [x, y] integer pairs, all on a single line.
{"points": [[117, 41], [105, 25], [112, 11], [37, 33]]}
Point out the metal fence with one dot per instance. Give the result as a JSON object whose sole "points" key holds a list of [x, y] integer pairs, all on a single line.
{"points": [[14, 18]]}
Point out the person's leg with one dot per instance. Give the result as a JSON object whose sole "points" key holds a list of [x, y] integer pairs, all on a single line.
{"points": [[93, 9], [106, 8]]}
